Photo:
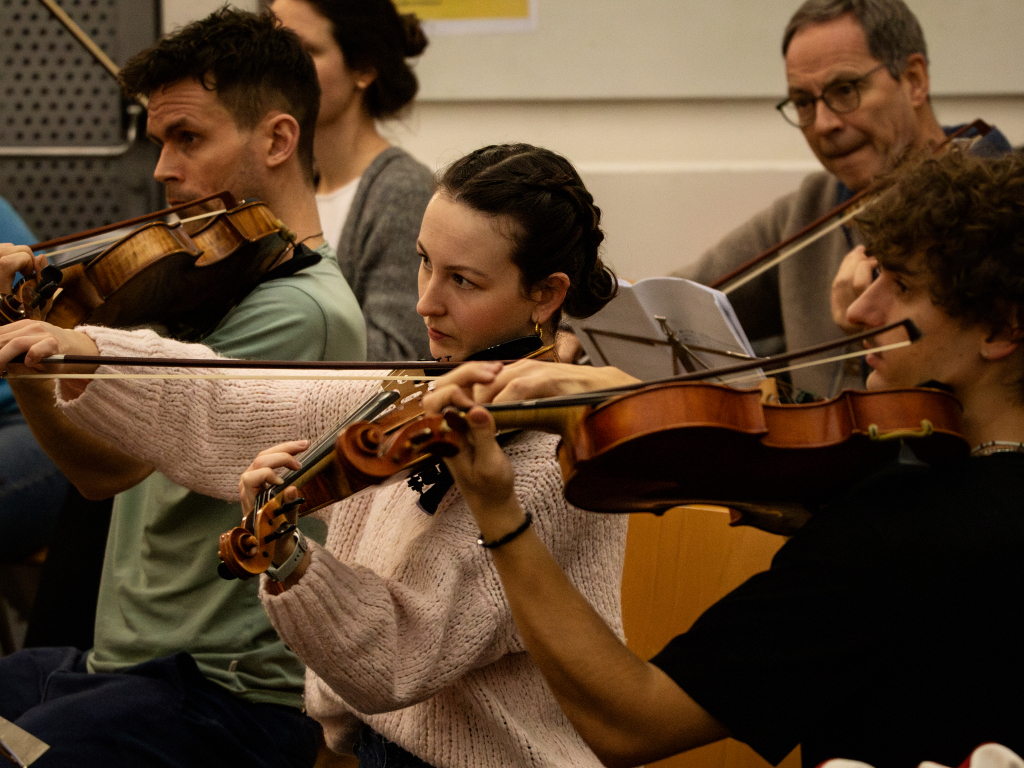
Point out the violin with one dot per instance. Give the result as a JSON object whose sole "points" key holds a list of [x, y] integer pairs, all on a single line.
{"points": [[158, 274], [660, 446], [678, 444], [385, 437], [674, 444]]}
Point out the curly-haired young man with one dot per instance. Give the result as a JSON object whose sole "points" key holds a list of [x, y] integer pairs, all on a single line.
{"points": [[887, 630]]}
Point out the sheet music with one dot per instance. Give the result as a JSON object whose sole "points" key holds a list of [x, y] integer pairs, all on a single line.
{"points": [[628, 333]]}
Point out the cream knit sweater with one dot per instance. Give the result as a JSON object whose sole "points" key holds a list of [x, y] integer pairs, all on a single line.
{"points": [[401, 617]]}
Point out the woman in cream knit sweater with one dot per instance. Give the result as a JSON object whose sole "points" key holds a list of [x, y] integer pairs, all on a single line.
{"points": [[413, 658]]}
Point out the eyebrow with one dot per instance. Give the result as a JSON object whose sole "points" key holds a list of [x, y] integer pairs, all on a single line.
{"points": [[454, 267], [845, 78], [902, 270], [170, 128]]}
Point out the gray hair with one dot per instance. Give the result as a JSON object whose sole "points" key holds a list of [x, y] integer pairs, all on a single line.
{"points": [[892, 31]]}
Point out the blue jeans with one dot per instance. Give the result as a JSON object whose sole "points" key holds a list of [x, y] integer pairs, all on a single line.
{"points": [[374, 751], [31, 489], [159, 714]]}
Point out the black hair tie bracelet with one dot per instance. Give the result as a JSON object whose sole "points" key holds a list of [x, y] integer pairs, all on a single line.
{"points": [[508, 536]]}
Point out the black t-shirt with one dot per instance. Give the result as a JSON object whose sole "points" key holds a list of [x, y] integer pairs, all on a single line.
{"points": [[890, 629]]}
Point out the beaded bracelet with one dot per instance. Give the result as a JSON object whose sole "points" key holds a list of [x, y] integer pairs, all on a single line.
{"points": [[508, 536]]}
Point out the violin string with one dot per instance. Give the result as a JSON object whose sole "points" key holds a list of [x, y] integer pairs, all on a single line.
{"points": [[115, 238], [324, 444]]}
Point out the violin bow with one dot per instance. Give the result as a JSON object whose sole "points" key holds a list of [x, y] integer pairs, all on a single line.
{"points": [[88, 43], [409, 369], [832, 220], [403, 370], [768, 363]]}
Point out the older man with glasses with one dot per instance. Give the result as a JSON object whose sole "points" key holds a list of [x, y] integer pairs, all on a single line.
{"points": [[857, 74]]}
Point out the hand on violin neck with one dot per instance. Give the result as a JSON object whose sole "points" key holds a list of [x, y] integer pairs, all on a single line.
{"points": [[485, 477], [461, 387], [14, 260], [264, 471], [532, 379], [856, 273]]}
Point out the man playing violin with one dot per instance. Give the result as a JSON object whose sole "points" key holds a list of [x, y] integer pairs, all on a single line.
{"points": [[887, 629], [858, 90], [186, 668]]}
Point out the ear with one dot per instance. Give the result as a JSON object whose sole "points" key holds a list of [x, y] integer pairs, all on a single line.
{"points": [[549, 294], [364, 79], [281, 134], [1003, 343], [915, 79]]}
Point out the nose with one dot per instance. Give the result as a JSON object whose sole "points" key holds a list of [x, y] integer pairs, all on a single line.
{"points": [[429, 304], [165, 167], [870, 309], [825, 119]]}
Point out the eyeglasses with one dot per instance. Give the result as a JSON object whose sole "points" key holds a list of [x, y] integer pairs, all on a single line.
{"points": [[841, 97]]}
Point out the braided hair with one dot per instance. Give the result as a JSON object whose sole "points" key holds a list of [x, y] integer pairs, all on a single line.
{"points": [[556, 226]]}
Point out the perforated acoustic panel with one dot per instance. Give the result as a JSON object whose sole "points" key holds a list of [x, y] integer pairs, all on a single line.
{"points": [[60, 104]]}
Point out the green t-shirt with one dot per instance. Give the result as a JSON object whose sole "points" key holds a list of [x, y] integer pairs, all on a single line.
{"points": [[160, 592]]}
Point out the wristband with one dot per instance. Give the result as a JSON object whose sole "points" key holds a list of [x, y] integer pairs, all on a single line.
{"points": [[284, 570], [508, 536]]}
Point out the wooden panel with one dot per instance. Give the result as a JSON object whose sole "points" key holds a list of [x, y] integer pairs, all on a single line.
{"points": [[677, 565]]}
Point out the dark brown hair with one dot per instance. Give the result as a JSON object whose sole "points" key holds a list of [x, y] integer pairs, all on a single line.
{"points": [[557, 227], [892, 30], [965, 215], [373, 36], [251, 62]]}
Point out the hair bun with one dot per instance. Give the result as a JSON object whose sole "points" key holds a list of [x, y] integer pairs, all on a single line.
{"points": [[415, 38]]}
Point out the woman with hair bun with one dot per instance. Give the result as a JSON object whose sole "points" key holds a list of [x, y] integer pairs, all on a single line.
{"points": [[371, 195], [413, 658]]}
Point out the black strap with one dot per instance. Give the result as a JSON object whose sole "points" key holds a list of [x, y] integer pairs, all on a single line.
{"points": [[302, 258], [433, 482]]}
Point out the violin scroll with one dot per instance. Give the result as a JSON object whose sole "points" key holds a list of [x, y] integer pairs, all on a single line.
{"points": [[364, 455], [370, 456], [246, 552]]}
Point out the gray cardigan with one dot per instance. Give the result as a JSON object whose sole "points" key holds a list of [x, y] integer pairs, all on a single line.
{"points": [[377, 253], [793, 302]]}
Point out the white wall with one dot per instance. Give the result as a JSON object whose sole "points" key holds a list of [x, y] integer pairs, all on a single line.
{"points": [[179, 12], [671, 175]]}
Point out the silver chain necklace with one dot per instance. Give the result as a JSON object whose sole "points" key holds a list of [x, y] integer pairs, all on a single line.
{"points": [[997, 446]]}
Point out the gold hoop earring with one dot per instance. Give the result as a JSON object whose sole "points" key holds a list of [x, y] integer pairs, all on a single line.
{"points": [[537, 330]]}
